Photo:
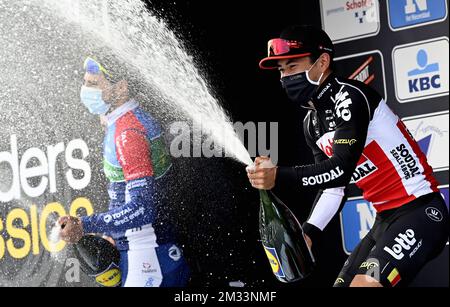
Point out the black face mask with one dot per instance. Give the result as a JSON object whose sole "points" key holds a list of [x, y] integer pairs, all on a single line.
{"points": [[300, 88]]}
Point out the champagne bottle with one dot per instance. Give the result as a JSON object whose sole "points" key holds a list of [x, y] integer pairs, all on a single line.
{"points": [[283, 240], [99, 259]]}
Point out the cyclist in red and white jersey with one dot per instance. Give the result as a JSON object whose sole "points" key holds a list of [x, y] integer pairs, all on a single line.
{"points": [[356, 138]]}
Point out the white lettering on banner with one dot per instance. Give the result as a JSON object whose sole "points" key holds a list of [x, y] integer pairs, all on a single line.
{"points": [[78, 164], [366, 217], [73, 271], [323, 178], [37, 171], [41, 167], [410, 7]]}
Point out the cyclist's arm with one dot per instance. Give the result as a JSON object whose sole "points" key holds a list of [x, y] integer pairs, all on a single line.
{"points": [[353, 117], [327, 202], [134, 156]]}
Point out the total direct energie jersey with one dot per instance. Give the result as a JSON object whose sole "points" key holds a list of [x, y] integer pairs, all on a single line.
{"points": [[135, 162]]}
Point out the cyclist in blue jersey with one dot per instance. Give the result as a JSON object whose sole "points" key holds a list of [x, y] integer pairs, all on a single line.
{"points": [[137, 164]]}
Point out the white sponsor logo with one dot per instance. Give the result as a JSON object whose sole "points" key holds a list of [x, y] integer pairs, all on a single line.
{"points": [[434, 214], [419, 245], [405, 242], [421, 70], [141, 183], [323, 178], [406, 161], [108, 219], [346, 20], [324, 91], [175, 253], [342, 104], [431, 133], [120, 215], [147, 268]]}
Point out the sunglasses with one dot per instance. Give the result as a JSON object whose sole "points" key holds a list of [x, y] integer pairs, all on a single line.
{"points": [[279, 46]]}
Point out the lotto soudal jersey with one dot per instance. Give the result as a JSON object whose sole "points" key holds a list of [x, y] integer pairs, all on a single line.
{"points": [[135, 162], [356, 138]]}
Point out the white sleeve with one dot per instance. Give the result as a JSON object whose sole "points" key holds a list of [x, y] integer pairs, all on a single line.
{"points": [[326, 207]]}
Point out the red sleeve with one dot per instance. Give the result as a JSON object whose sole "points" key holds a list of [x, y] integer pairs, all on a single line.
{"points": [[133, 153]]}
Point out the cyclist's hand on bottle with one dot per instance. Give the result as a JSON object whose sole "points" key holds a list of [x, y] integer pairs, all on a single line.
{"points": [[109, 239], [262, 174], [71, 229]]}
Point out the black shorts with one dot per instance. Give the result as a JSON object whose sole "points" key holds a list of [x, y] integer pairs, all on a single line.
{"points": [[400, 243]]}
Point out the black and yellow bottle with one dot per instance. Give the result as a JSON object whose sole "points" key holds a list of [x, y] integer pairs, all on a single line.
{"points": [[282, 237], [99, 259]]}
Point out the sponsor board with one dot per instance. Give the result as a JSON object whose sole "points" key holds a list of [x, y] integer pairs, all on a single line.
{"points": [[406, 14], [431, 132], [421, 70], [367, 67], [350, 20], [38, 184]]}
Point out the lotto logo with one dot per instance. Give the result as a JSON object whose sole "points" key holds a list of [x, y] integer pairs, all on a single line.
{"points": [[342, 103], [404, 242]]}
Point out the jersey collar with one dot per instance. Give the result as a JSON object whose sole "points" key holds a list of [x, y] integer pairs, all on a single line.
{"points": [[112, 117], [324, 92]]}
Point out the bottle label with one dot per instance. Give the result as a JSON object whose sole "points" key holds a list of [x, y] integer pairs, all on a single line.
{"points": [[112, 277], [274, 262]]}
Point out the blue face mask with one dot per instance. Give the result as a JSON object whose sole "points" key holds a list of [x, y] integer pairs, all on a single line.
{"points": [[92, 99]]}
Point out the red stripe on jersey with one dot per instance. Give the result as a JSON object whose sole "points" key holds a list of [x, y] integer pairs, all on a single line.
{"points": [[428, 171], [385, 184], [133, 150]]}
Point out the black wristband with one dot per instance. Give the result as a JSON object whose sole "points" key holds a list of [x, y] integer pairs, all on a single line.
{"points": [[286, 177], [312, 231]]}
